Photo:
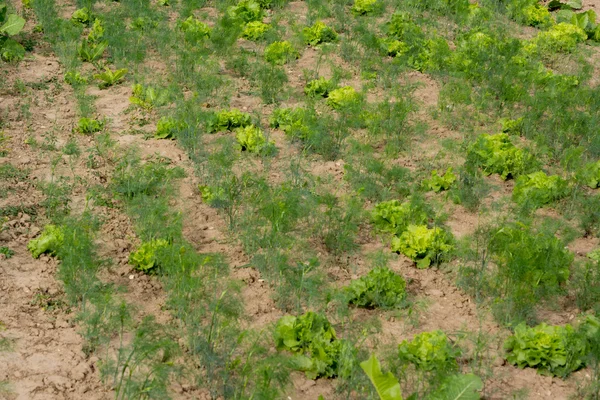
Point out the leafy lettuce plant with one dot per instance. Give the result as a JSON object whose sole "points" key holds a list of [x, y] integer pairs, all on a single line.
{"points": [[89, 125], [167, 128], [495, 154], [96, 32], [313, 342], [318, 87], [343, 97], [537, 189], [49, 241], [145, 258], [319, 33], [406, 39], [280, 53], [590, 175], [90, 51], [228, 120], [560, 38], [438, 183], [553, 350], [194, 30], [251, 138], [211, 194], [255, 30], [75, 78], [364, 7], [291, 121], [423, 245], [109, 77], [82, 16], [529, 12], [584, 20], [430, 351], [10, 25], [148, 97], [381, 287], [394, 217], [246, 11], [393, 47]]}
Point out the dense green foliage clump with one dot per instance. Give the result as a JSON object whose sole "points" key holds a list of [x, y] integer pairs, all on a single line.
{"points": [[319, 33], [438, 183], [50, 241], [318, 87], [145, 258], [496, 154], [313, 342], [430, 351], [250, 138], [255, 30], [423, 245], [537, 189], [552, 350], [280, 53], [228, 120], [343, 97], [381, 287], [394, 217]]}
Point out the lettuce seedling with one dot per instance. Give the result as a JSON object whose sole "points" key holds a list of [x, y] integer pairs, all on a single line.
{"points": [[255, 30], [495, 154], [438, 183], [246, 11], [74, 78], [10, 25], [430, 351], [82, 16], [110, 78], [381, 287], [194, 29], [228, 120], [145, 257], [89, 51], [319, 33], [313, 342], [318, 87], [394, 217], [167, 128], [89, 125], [423, 245], [553, 350], [96, 32], [251, 138], [211, 194], [292, 122], [364, 7], [280, 53], [590, 175], [393, 47], [343, 97], [49, 241], [148, 97], [537, 189]]}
